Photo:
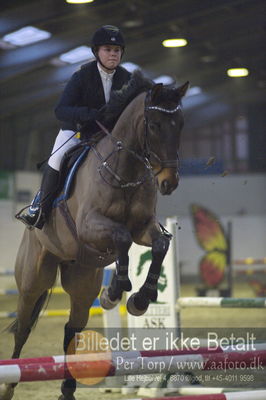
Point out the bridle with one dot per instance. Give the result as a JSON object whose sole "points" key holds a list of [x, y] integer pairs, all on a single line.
{"points": [[163, 163], [119, 146], [143, 158]]}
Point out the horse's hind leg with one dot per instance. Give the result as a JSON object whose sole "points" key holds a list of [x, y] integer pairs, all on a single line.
{"points": [[83, 286], [35, 273], [138, 303]]}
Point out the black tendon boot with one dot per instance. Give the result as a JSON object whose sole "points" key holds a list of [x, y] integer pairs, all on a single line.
{"points": [[41, 205]]}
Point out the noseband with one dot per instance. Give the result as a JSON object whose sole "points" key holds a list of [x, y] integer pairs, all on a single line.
{"points": [[148, 152]]}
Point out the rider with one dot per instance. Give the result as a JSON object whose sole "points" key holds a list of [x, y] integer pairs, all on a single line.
{"points": [[86, 92]]}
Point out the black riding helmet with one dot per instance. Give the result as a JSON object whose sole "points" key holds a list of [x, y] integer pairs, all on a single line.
{"points": [[107, 34]]}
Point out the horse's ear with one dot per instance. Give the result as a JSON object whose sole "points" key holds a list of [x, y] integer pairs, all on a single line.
{"points": [[155, 91], [181, 90]]}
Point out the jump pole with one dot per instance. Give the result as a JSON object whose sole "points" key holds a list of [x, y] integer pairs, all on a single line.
{"points": [[189, 391], [6, 272], [223, 302], [250, 395], [251, 261], [8, 292], [94, 310], [119, 366], [131, 354], [229, 260]]}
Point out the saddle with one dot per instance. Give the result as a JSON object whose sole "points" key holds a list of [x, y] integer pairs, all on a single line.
{"points": [[70, 164]]}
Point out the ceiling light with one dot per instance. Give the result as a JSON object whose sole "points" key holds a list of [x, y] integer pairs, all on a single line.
{"points": [[26, 35], [79, 1], [76, 55], [164, 79], [208, 58], [174, 42], [237, 72], [130, 67], [193, 91], [132, 23]]}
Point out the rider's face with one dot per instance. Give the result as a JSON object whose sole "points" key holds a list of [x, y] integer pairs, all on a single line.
{"points": [[110, 56]]}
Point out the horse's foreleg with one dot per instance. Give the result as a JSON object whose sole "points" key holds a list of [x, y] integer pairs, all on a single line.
{"points": [[138, 303]]}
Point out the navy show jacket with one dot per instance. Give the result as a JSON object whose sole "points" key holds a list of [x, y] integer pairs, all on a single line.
{"points": [[84, 91]]}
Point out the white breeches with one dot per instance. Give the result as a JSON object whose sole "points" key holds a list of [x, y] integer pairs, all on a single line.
{"points": [[62, 137]]}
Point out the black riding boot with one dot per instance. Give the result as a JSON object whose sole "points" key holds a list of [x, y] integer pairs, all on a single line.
{"points": [[41, 205]]}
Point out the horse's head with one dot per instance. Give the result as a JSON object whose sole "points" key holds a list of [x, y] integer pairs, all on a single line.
{"points": [[164, 121]]}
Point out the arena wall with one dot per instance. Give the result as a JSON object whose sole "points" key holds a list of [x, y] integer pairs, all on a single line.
{"points": [[240, 199]]}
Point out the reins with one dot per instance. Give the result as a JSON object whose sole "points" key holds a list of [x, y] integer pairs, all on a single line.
{"points": [[144, 158], [105, 165]]}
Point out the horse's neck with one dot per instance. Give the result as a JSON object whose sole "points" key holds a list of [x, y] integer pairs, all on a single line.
{"points": [[130, 125], [129, 129]]}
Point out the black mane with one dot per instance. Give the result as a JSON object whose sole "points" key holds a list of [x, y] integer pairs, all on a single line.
{"points": [[119, 99]]}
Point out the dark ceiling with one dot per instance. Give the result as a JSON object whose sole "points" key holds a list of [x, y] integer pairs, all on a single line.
{"points": [[220, 33]]}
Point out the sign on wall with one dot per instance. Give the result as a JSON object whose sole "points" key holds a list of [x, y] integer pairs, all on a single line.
{"points": [[5, 185]]}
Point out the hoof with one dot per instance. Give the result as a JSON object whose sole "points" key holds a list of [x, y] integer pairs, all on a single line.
{"points": [[68, 391], [106, 302], [6, 392], [132, 309]]}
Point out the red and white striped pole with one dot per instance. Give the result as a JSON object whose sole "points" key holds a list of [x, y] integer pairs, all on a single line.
{"points": [[121, 366], [250, 395], [131, 354]]}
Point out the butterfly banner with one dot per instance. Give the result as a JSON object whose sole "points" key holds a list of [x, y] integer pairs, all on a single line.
{"points": [[211, 237]]}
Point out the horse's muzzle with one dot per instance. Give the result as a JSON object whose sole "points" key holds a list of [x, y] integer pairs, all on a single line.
{"points": [[167, 180]]}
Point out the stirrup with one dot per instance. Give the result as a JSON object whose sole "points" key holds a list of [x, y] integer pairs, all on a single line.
{"points": [[28, 218]]}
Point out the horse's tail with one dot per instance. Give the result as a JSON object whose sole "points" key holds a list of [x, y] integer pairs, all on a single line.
{"points": [[41, 303]]}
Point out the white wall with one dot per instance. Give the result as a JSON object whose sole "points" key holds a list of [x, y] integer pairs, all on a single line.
{"points": [[11, 230], [229, 195], [240, 199]]}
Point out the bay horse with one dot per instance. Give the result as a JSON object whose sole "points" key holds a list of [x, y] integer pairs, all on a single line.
{"points": [[113, 204]]}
